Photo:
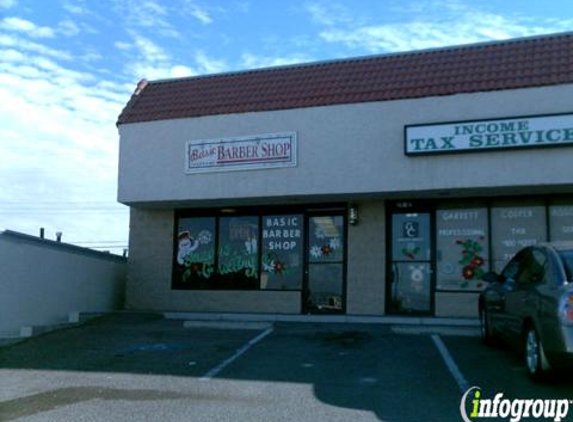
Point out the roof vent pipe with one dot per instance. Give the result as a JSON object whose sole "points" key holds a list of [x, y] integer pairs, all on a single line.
{"points": [[140, 86]]}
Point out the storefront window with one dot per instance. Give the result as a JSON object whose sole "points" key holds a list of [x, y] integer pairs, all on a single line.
{"points": [[463, 252], [561, 222], [195, 250], [412, 237], [238, 253], [326, 264], [325, 241], [282, 252], [514, 228]]}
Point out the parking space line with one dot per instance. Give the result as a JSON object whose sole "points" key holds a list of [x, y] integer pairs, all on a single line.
{"points": [[450, 363], [214, 371]]}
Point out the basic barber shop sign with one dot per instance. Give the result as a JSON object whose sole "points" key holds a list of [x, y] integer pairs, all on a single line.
{"points": [[498, 134], [241, 153]]}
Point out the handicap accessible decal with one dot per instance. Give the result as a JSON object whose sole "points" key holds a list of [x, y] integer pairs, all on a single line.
{"points": [[473, 407]]}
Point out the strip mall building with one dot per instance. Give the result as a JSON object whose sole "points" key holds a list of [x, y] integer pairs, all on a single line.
{"points": [[377, 185]]}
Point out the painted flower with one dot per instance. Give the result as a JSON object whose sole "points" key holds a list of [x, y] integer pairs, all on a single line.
{"points": [[468, 272], [279, 267], [477, 261], [270, 267], [315, 251], [334, 243], [319, 233]]}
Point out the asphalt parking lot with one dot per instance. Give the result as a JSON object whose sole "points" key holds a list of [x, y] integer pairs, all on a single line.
{"points": [[145, 368]]}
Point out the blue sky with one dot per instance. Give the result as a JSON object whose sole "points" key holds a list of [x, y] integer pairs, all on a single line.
{"points": [[67, 68]]}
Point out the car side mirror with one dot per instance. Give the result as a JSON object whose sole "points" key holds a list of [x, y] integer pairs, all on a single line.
{"points": [[492, 277]]}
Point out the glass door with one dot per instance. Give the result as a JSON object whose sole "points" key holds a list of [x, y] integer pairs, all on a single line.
{"points": [[411, 263], [324, 290]]}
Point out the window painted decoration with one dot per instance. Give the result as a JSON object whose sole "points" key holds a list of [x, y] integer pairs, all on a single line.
{"points": [[462, 248], [282, 252]]}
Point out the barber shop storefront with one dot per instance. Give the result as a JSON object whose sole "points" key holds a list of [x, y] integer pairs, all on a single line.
{"points": [[319, 188]]}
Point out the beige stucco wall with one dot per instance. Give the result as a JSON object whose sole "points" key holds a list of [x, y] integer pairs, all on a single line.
{"points": [[457, 304], [150, 267], [366, 266], [345, 149], [150, 270]]}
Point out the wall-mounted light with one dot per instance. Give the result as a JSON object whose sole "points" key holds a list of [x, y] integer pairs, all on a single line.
{"points": [[353, 214]]}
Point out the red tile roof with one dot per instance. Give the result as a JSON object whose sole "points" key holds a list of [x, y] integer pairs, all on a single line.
{"points": [[520, 63]]}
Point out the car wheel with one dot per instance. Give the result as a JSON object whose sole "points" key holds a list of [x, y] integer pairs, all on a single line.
{"points": [[536, 362], [485, 328]]}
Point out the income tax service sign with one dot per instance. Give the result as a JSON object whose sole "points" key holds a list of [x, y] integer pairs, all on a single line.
{"points": [[241, 153], [498, 134]]}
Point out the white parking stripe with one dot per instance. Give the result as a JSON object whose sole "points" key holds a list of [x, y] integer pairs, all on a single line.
{"points": [[450, 363], [214, 371]]}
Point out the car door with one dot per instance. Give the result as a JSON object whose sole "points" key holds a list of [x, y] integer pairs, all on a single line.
{"points": [[501, 309], [523, 301]]}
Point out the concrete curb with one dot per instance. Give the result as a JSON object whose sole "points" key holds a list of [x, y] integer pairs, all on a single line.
{"points": [[354, 319], [441, 330], [228, 325]]}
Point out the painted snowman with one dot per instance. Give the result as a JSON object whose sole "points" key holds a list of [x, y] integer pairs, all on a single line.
{"points": [[186, 246]]}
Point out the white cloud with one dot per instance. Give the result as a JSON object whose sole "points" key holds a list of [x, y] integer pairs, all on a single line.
{"points": [[120, 45], [209, 65], [68, 28], [147, 14], [7, 4], [180, 71], [251, 61], [29, 46], [201, 15], [148, 50], [91, 56], [76, 7], [463, 25], [61, 123], [328, 13], [147, 59], [27, 27]]}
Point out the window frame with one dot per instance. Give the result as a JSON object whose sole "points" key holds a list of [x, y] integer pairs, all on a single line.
{"points": [[249, 211]]}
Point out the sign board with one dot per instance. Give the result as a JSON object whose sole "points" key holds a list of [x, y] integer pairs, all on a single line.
{"points": [[494, 134], [241, 153]]}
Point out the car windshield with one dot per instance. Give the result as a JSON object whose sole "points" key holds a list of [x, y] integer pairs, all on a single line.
{"points": [[567, 257]]}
